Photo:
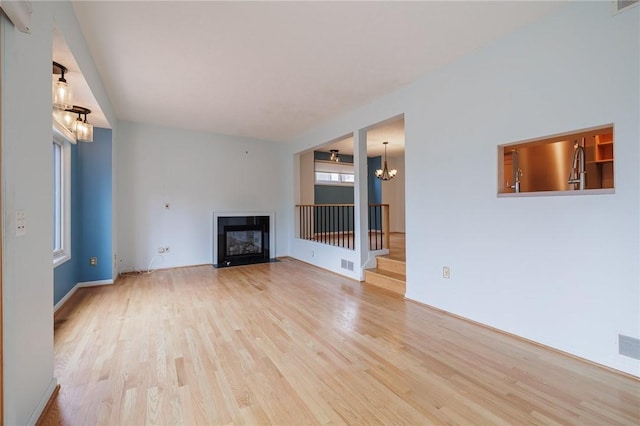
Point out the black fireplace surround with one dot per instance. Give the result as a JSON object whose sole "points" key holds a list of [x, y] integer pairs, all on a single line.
{"points": [[242, 240]]}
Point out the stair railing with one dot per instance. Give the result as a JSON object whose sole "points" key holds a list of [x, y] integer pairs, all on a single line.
{"points": [[334, 224], [378, 226]]}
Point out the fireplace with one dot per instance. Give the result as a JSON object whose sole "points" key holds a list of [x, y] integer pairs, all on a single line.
{"points": [[241, 239]]}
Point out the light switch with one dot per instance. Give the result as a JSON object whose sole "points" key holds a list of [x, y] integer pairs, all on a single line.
{"points": [[21, 223]]}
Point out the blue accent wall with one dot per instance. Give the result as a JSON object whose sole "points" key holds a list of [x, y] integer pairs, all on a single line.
{"points": [[333, 194], [374, 187], [374, 184], [91, 201], [94, 167]]}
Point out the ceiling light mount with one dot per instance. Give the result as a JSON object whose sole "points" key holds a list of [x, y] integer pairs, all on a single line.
{"points": [[79, 110], [384, 173], [59, 69]]}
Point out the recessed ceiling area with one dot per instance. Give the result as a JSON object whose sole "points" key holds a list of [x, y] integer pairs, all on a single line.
{"points": [[274, 70], [82, 95]]}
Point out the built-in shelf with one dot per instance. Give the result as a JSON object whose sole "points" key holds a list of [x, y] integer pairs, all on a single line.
{"points": [[604, 147]]}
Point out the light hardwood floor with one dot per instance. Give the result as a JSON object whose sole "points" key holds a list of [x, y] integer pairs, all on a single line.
{"points": [[290, 344]]}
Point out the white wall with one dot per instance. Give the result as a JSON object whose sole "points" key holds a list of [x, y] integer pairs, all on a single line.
{"points": [[26, 178], [393, 194], [27, 263], [196, 173], [307, 178], [562, 271]]}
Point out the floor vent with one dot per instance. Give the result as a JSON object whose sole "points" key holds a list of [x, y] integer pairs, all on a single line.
{"points": [[346, 264], [629, 346], [621, 5]]}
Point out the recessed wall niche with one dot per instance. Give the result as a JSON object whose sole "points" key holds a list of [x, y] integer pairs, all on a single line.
{"points": [[573, 161]]}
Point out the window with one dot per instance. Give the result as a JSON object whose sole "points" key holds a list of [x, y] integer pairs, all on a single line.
{"points": [[330, 173], [58, 197], [61, 199]]}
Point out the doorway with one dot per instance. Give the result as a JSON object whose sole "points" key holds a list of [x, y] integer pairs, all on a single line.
{"points": [[389, 192]]}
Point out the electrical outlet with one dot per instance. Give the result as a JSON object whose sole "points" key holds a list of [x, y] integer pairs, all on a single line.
{"points": [[93, 261], [446, 272]]}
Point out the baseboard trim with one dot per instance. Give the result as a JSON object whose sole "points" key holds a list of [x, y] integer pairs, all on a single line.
{"points": [[45, 402], [76, 287], [64, 299], [529, 341], [94, 283], [135, 272]]}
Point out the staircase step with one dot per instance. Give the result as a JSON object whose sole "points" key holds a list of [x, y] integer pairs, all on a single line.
{"points": [[386, 279], [392, 265]]}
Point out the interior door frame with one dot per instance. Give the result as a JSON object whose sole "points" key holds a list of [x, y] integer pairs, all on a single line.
{"points": [[1, 244]]}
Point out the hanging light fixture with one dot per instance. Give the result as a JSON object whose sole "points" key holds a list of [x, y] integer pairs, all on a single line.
{"points": [[79, 126], [384, 173], [61, 90], [334, 155], [84, 130]]}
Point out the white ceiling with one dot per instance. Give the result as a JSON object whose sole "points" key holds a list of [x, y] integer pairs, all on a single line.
{"points": [[272, 70]]}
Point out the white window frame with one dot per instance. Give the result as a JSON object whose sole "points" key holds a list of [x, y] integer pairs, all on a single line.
{"points": [[61, 139], [343, 173]]}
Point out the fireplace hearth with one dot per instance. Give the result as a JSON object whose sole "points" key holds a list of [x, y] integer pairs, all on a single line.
{"points": [[241, 240]]}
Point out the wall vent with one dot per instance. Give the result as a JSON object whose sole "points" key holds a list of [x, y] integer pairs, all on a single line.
{"points": [[346, 264], [620, 5], [629, 346]]}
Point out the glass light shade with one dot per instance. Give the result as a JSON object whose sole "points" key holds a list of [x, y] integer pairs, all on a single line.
{"points": [[89, 132], [67, 119], [62, 95], [385, 173], [57, 115], [84, 131]]}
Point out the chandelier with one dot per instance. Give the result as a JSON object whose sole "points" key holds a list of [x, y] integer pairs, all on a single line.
{"points": [[384, 173]]}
